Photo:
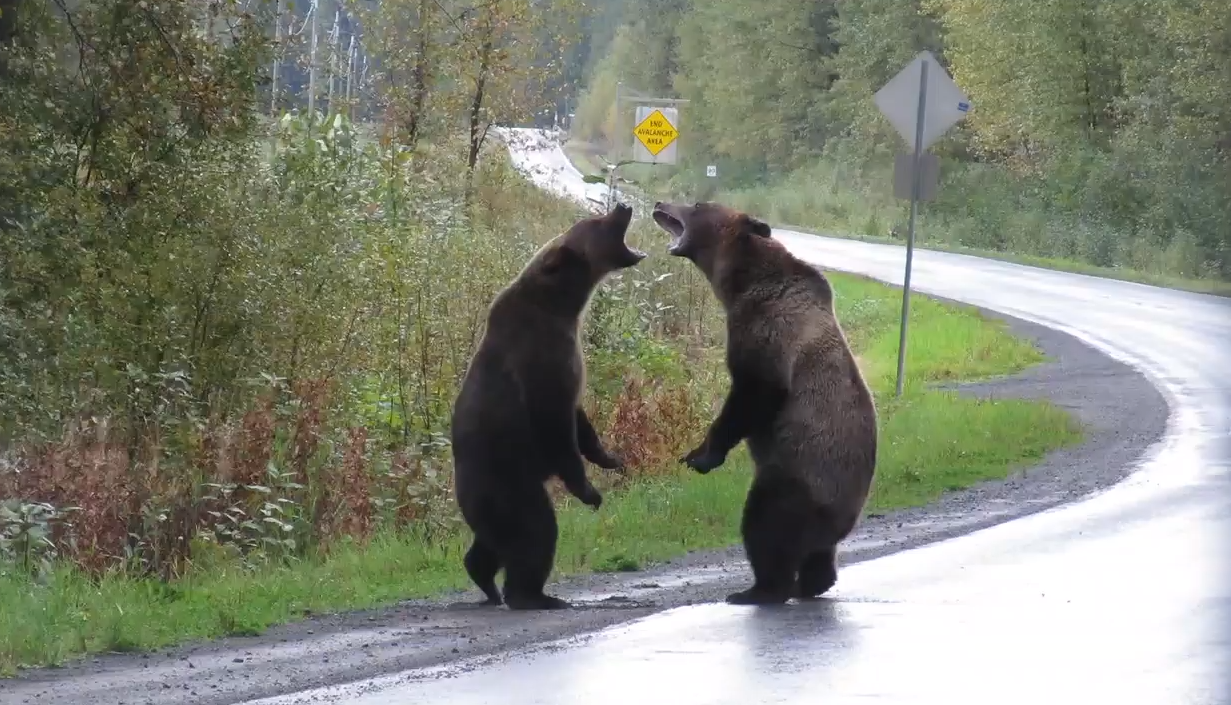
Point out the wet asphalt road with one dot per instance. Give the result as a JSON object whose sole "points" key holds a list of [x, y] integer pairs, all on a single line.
{"points": [[1054, 608], [1122, 598]]}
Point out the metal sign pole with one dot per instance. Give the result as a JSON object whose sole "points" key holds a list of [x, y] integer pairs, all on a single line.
{"points": [[910, 230], [949, 106]]}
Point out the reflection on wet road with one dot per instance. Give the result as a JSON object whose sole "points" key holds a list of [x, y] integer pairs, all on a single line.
{"points": [[1120, 599], [1021, 613]]}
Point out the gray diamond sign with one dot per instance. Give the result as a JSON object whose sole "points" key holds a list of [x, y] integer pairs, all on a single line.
{"points": [[922, 102], [898, 101]]}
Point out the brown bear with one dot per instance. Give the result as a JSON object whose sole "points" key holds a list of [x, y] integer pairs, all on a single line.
{"points": [[796, 395], [517, 420]]}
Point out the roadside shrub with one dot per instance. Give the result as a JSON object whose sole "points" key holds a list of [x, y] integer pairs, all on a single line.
{"points": [[294, 388]]}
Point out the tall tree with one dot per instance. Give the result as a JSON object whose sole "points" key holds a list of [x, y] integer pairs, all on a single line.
{"points": [[404, 37], [1042, 75], [756, 74], [875, 38]]}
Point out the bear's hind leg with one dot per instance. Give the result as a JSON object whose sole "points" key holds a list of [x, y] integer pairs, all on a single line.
{"points": [[482, 563], [531, 550], [818, 572], [776, 515]]}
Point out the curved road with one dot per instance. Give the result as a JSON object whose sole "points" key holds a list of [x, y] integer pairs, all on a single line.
{"points": [[1122, 598]]}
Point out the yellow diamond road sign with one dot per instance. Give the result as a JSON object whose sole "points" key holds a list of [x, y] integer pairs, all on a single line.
{"points": [[656, 132]]}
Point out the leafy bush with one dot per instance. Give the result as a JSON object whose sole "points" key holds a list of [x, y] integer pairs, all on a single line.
{"points": [[225, 337]]}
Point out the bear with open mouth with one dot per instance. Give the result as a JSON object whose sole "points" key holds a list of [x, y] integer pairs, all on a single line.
{"points": [[518, 421], [797, 396]]}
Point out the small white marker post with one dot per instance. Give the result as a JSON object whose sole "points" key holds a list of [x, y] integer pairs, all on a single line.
{"points": [[949, 105]]}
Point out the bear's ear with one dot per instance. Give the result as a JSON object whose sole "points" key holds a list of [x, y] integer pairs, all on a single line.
{"points": [[756, 226]]}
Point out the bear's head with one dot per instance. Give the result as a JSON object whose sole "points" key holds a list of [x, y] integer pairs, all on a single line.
{"points": [[709, 234], [591, 249]]}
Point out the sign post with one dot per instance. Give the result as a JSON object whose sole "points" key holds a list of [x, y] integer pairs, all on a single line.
{"points": [[922, 102], [655, 131]]}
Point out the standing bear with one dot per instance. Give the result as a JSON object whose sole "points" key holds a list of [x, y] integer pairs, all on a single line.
{"points": [[518, 421], [796, 395]]}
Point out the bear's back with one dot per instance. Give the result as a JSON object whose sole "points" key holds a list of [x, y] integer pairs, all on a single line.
{"points": [[520, 343]]}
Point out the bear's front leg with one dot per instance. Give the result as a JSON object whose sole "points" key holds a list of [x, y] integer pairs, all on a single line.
{"points": [[703, 458], [754, 400], [551, 407], [724, 433], [591, 447], [582, 489]]}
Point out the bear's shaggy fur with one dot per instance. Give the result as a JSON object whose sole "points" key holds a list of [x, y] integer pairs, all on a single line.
{"points": [[518, 421], [796, 395]]}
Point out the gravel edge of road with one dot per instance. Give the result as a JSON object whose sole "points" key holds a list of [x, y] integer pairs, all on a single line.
{"points": [[1124, 414]]}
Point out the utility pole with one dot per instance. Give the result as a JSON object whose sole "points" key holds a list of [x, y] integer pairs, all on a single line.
{"points": [[350, 72], [312, 64], [273, 92], [335, 42]]}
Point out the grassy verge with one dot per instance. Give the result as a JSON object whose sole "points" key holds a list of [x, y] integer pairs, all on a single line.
{"points": [[1198, 286], [833, 212], [932, 441], [820, 200]]}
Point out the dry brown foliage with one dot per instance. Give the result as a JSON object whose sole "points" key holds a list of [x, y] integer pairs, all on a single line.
{"points": [[354, 489], [138, 501], [313, 396], [126, 499], [652, 425], [88, 473]]}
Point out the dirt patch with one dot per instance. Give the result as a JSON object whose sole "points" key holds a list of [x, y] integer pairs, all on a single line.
{"points": [[1123, 413]]}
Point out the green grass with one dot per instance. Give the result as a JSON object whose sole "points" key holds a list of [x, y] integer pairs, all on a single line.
{"points": [[1198, 286], [834, 212], [815, 201], [931, 441]]}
